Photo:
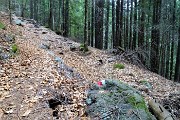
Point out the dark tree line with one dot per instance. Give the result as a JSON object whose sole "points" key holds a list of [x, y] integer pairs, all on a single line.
{"points": [[149, 27]]}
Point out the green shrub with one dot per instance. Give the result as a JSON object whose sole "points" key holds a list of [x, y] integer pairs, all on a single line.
{"points": [[119, 66], [2, 26], [83, 48], [14, 48]]}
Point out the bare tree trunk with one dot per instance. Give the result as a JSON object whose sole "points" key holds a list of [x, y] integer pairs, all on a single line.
{"points": [[99, 15], [85, 22], [31, 9], [135, 25], [173, 39], [92, 23], [113, 24], [107, 24], [177, 68], [10, 12], [155, 36]]}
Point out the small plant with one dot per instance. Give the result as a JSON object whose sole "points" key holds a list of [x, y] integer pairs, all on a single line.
{"points": [[2, 26], [118, 66], [83, 47], [14, 48], [143, 81]]}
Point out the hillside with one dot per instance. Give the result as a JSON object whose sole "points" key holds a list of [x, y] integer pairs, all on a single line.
{"points": [[32, 76]]}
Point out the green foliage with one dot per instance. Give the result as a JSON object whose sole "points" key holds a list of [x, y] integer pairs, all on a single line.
{"points": [[83, 48], [2, 26], [14, 48], [119, 66]]}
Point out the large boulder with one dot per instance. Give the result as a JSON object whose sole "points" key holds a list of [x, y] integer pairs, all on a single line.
{"points": [[112, 99]]}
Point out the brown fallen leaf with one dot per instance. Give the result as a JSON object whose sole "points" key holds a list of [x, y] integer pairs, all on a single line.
{"points": [[26, 113], [1, 113], [9, 111]]}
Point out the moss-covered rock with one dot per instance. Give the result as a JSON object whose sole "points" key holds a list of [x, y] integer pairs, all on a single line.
{"points": [[116, 100]]}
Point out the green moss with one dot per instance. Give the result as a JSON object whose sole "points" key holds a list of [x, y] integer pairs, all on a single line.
{"points": [[140, 104], [83, 48], [14, 48], [2, 26], [118, 66]]}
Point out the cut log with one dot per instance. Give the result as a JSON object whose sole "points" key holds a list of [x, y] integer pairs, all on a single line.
{"points": [[159, 111]]}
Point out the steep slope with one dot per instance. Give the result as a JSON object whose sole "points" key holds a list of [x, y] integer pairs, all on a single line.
{"points": [[34, 68]]}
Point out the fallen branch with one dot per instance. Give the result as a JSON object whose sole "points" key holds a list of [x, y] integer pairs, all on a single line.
{"points": [[159, 111]]}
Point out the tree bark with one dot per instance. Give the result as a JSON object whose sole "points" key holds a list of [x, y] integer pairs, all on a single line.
{"points": [[135, 25], [177, 68], [92, 23], [85, 22], [99, 13], [31, 9], [107, 24], [113, 25], [155, 36]]}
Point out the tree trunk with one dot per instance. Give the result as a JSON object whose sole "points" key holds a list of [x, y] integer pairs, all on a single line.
{"points": [[99, 13], [85, 22], [135, 25], [141, 29], [113, 24], [155, 36], [89, 23], [107, 25], [131, 20], [51, 15], [35, 10], [10, 12], [177, 68], [126, 40], [92, 23], [118, 28], [173, 39], [31, 9], [66, 21]]}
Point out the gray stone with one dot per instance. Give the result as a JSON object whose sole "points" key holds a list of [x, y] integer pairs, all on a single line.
{"points": [[4, 56], [111, 60], [116, 100], [45, 46], [17, 22], [72, 48], [9, 38]]}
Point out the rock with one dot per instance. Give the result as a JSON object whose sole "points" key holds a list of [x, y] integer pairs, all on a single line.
{"points": [[111, 60], [114, 100], [72, 48], [58, 59], [9, 37], [4, 56], [22, 24], [16, 21], [45, 46]]}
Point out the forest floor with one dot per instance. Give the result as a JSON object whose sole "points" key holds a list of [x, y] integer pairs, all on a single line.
{"points": [[30, 80]]}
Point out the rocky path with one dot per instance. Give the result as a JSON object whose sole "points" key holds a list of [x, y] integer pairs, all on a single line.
{"points": [[46, 78]]}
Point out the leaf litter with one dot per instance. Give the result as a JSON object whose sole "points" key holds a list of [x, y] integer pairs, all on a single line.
{"points": [[36, 77]]}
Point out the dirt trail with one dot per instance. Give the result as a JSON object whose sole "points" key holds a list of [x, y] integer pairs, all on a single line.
{"points": [[32, 78]]}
